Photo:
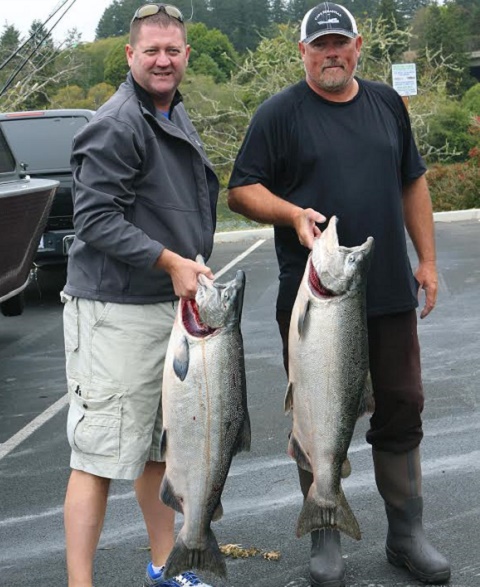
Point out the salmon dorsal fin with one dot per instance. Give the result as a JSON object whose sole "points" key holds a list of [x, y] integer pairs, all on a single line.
{"points": [[181, 358]]}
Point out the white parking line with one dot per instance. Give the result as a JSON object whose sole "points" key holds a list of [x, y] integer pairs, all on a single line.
{"points": [[30, 428], [239, 258], [53, 410]]}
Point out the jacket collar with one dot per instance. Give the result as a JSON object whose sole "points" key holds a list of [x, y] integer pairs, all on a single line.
{"points": [[146, 99]]}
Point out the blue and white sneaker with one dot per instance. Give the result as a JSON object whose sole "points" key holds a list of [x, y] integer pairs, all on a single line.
{"points": [[189, 579], [153, 579]]}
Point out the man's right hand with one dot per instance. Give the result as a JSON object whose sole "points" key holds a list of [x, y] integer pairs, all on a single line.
{"points": [[304, 222], [183, 272]]}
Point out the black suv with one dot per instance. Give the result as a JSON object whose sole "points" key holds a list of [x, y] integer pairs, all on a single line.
{"points": [[42, 143]]}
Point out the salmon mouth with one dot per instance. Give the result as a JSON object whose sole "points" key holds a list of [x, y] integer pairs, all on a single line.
{"points": [[192, 322], [316, 285]]}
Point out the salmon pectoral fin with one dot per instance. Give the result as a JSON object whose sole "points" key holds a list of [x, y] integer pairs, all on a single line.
{"points": [[297, 453], [244, 437], [302, 323], [218, 513], [163, 445], [367, 401], [289, 398], [168, 496], [181, 359], [183, 558], [317, 514]]}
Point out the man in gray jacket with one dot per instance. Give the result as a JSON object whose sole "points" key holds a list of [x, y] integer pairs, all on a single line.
{"points": [[144, 206]]}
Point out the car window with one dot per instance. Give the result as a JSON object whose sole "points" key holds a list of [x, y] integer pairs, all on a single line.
{"points": [[7, 161], [44, 144]]}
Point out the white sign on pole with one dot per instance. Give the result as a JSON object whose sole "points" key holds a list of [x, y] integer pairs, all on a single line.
{"points": [[404, 78]]}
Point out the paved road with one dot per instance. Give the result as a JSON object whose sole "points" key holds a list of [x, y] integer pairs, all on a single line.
{"points": [[261, 498]]}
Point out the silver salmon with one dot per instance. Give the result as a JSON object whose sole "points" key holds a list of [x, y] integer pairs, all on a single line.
{"points": [[328, 385], [205, 417]]}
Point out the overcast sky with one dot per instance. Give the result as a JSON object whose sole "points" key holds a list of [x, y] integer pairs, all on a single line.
{"points": [[84, 15]]}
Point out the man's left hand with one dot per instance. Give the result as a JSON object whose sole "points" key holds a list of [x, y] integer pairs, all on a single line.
{"points": [[427, 277]]}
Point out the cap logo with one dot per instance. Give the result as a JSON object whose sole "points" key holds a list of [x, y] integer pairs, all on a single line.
{"points": [[329, 21]]}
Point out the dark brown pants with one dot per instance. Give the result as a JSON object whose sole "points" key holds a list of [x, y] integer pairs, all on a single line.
{"points": [[394, 351]]}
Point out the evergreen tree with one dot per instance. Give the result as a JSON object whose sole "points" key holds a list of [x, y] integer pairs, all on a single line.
{"points": [[41, 53], [278, 11], [115, 20], [446, 34], [9, 43]]}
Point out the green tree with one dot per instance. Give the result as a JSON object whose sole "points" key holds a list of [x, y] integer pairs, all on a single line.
{"points": [[76, 97], [243, 22], [90, 61], [471, 100], [445, 33], [205, 65], [450, 126], [69, 97], [214, 44], [9, 43], [116, 66], [99, 94], [115, 20], [279, 14]]}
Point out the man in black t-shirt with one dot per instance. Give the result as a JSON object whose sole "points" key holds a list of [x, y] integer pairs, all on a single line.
{"points": [[341, 145]]}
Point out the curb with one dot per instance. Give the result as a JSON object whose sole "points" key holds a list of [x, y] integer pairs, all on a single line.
{"points": [[256, 233]]}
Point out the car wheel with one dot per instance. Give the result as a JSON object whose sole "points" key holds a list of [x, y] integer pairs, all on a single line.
{"points": [[13, 306]]}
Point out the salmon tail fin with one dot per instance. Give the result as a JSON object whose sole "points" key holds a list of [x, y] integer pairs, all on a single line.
{"points": [[317, 514], [167, 495], [183, 559], [346, 520]]}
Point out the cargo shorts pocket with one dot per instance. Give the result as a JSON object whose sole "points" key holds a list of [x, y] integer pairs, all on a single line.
{"points": [[93, 424], [70, 322]]}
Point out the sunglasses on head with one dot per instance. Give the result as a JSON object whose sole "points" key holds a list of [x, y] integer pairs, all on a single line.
{"points": [[151, 9]]}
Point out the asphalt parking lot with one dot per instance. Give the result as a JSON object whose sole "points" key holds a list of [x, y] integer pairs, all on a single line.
{"points": [[261, 498]]}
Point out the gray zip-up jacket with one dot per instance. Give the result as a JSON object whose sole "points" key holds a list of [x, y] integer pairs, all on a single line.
{"points": [[142, 183]]}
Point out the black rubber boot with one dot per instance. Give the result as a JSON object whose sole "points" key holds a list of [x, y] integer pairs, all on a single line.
{"points": [[398, 478], [327, 567], [407, 545]]}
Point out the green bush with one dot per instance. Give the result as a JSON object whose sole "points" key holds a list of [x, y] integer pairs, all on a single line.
{"points": [[456, 186], [471, 100], [450, 126]]}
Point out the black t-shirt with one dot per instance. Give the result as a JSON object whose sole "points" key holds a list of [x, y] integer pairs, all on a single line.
{"points": [[348, 159]]}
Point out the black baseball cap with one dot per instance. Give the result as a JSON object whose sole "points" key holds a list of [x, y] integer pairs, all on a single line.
{"points": [[325, 19]]}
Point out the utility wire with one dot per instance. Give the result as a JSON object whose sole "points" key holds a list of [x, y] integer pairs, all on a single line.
{"points": [[12, 77]]}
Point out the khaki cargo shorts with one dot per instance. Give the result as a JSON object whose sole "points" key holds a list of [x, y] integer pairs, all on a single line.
{"points": [[115, 355]]}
